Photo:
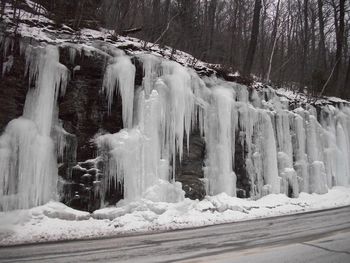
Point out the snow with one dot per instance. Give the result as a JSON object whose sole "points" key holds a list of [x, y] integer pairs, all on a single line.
{"points": [[38, 8], [55, 221], [35, 25], [303, 98]]}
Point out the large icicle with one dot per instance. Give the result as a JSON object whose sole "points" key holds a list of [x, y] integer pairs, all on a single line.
{"points": [[151, 71], [285, 153], [284, 150], [317, 170], [343, 156], [28, 162], [299, 148], [120, 77], [141, 156], [267, 149], [220, 137], [177, 102]]}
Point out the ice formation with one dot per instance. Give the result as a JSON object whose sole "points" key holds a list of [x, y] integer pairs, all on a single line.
{"points": [[141, 155], [120, 77], [220, 138], [280, 148], [285, 151], [28, 161]]}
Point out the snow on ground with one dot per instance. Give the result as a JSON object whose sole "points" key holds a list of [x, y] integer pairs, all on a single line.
{"points": [[55, 221]]}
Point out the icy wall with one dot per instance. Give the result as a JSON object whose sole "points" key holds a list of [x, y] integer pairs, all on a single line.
{"points": [[28, 162], [150, 123]]}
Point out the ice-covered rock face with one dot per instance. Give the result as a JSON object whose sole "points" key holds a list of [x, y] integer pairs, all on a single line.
{"points": [[284, 151], [28, 161], [252, 142]]}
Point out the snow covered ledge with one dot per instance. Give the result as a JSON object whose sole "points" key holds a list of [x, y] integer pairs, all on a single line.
{"points": [[55, 221]]}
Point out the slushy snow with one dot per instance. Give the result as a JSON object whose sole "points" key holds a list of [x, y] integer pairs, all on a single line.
{"points": [[55, 221]]}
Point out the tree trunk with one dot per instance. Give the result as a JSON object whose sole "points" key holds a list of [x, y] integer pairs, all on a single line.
{"points": [[274, 39], [322, 46], [305, 46], [253, 39], [262, 43], [346, 90], [156, 19], [211, 14], [270, 61], [339, 46], [2, 8]]}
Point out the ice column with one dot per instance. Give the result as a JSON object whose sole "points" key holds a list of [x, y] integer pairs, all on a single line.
{"points": [[151, 71], [317, 170], [299, 147], [220, 136], [265, 145], [177, 107], [121, 74], [140, 157], [28, 162], [285, 153], [343, 157], [329, 143]]}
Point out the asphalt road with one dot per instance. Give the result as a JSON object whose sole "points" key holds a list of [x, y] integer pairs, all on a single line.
{"points": [[322, 236]]}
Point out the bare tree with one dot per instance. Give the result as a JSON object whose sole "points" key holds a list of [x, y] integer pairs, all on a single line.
{"points": [[322, 42], [340, 27], [253, 39], [291, 42]]}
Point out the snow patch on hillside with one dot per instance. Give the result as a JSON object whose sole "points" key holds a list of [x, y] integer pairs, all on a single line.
{"points": [[55, 221], [35, 25]]}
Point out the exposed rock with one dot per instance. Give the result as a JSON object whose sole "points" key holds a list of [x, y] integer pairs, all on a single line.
{"points": [[190, 171], [13, 89], [243, 184]]}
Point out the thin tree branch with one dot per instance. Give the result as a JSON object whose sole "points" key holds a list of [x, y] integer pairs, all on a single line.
{"points": [[329, 78], [166, 29]]}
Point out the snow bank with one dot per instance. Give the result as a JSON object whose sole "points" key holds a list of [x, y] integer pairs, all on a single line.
{"points": [[55, 221]]}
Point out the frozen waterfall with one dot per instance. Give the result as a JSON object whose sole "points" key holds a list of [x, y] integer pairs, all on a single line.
{"points": [[28, 161], [256, 141], [120, 73], [281, 146]]}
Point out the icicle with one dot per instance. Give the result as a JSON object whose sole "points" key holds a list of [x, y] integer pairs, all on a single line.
{"points": [[151, 71], [264, 158], [316, 166], [7, 66], [177, 102], [299, 147], [124, 149], [73, 50], [121, 74], [8, 43], [149, 125], [219, 135], [329, 144], [285, 153], [27, 152], [140, 156], [342, 171], [135, 154]]}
